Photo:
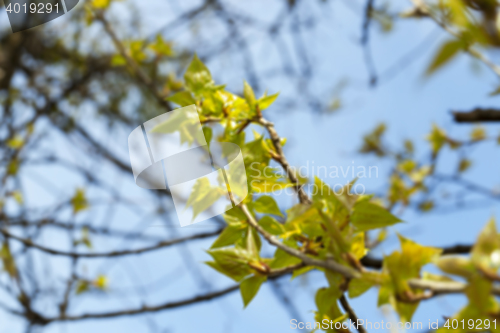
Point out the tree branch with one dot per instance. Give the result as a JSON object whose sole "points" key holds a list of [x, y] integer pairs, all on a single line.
{"points": [[352, 315], [133, 65], [274, 274], [328, 264], [281, 159], [376, 263], [442, 288], [423, 8], [160, 245], [477, 115]]}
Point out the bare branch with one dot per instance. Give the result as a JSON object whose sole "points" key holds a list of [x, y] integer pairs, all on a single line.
{"points": [[352, 315], [477, 115], [281, 159], [160, 245]]}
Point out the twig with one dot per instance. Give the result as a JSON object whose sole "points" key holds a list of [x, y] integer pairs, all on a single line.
{"points": [[376, 263], [352, 315], [328, 264], [274, 274], [422, 6], [477, 115], [281, 159], [160, 245], [134, 66], [442, 288]]}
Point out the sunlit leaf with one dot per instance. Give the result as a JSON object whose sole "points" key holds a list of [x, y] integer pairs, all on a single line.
{"points": [[250, 287], [79, 201], [445, 54], [266, 205], [368, 216]]}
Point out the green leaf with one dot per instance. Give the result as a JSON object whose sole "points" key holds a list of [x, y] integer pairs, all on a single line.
{"points": [[368, 216], [464, 165], [301, 271], [230, 235], [79, 201], [232, 262], [478, 133], [405, 265], [82, 286], [162, 47], [358, 287], [18, 196], [478, 292], [486, 252], [283, 259], [183, 98], [207, 131], [203, 196], [181, 122], [253, 243], [266, 205], [495, 92], [118, 60], [326, 302], [198, 77], [372, 142], [266, 101], [456, 265], [16, 142], [437, 138], [8, 262], [250, 287], [101, 282], [249, 94], [444, 55], [272, 226]]}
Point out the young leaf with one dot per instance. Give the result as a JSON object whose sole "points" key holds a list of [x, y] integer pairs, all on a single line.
{"points": [[101, 282], [249, 94], [232, 262], [456, 265], [447, 51], [478, 133], [326, 302], [266, 205], [16, 142], [368, 216], [272, 226], [8, 262], [359, 286], [486, 252], [198, 76], [437, 138], [82, 286], [79, 201], [301, 271], [253, 243], [464, 165], [230, 235], [266, 101], [203, 196], [208, 132], [283, 259], [183, 98], [250, 287]]}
